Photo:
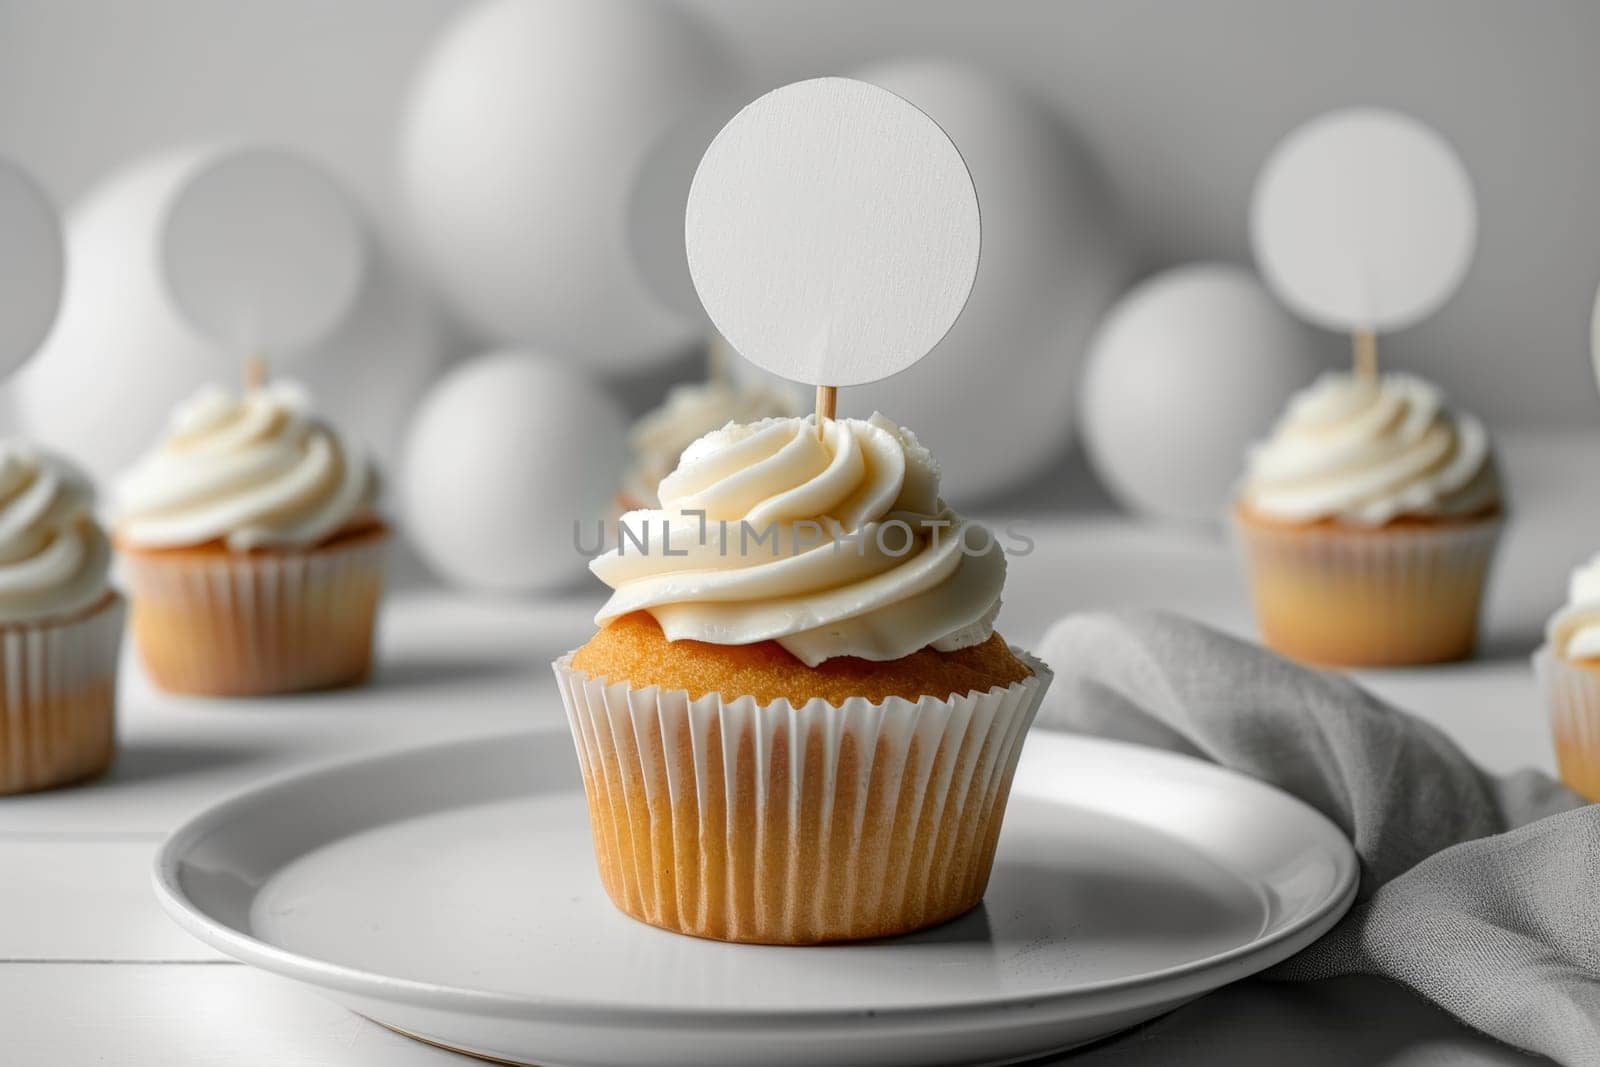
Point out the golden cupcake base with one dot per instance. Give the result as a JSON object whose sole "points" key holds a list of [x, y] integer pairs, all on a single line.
{"points": [[1572, 693], [58, 695], [1403, 594], [789, 824], [211, 622]]}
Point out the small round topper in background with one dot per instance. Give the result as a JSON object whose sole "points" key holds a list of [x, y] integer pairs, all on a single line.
{"points": [[32, 266], [832, 232], [1364, 221], [262, 252], [1594, 338]]}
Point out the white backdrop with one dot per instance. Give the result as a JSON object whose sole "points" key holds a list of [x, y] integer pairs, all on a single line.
{"points": [[1179, 102]]}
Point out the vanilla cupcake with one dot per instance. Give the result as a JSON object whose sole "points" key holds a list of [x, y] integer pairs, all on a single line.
{"points": [[688, 413], [60, 625], [251, 548], [1568, 667], [1368, 521], [797, 723]]}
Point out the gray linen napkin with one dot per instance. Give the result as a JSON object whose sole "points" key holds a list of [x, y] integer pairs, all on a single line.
{"points": [[1480, 893]]}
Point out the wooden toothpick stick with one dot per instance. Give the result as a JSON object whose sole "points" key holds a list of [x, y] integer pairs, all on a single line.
{"points": [[1364, 347], [717, 370], [255, 372], [827, 404]]}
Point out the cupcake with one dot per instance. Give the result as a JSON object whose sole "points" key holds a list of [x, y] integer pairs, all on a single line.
{"points": [[688, 412], [1368, 521], [796, 722], [60, 625], [1568, 667], [251, 549]]}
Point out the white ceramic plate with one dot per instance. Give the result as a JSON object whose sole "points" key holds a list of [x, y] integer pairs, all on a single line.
{"points": [[450, 893]]}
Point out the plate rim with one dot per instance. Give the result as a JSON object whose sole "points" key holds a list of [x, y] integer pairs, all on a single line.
{"points": [[1174, 983]]}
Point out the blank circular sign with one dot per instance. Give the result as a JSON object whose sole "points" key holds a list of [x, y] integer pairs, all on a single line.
{"points": [[32, 265], [262, 252], [832, 232], [1364, 220]]}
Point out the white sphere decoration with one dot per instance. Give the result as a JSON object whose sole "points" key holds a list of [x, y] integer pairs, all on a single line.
{"points": [[31, 266], [528, 130], [504, 455], [122, 355], [993, 400], [1189, 369]]}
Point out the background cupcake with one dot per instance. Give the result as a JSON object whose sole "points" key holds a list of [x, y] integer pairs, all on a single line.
{"points": [[60, 625], [690, 411], [1568, 666], [797, 723], [252, 549], [1368, 521]]}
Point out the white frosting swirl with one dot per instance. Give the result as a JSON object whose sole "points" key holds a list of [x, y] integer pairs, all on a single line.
{"points": [[1366, 452], [688, 413], [831, 546], [54, 557], [1574, 631], [256, 470]]}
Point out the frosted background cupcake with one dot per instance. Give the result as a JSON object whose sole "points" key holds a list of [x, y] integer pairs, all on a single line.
{"points": [[251, 547], [689, 412], [811, 736], [60, 625], [1568, 667], [1368, 521]]}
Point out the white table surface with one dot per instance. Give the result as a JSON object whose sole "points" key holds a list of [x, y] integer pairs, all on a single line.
{"points": [[92, 972]]}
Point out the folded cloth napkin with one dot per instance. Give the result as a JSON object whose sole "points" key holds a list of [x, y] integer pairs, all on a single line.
{"points": [[1480, 893]]}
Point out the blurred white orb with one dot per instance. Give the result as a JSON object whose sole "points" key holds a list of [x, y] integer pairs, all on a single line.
{"points": [[507, 453], [121, 355], [1186, 372], [261, 252], [994, 399], [31, 266], [529, 130]]}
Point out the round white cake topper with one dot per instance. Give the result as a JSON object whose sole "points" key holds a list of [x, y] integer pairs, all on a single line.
{"points": [[32, 265], [262, 252], [832, 232], [1363, 220]]}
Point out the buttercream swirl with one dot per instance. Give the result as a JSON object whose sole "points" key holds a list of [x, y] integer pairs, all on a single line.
{"points": [[689, 412], [255, 470], [1366, 452], [831, 545], [55, 560], [1574, 631]]}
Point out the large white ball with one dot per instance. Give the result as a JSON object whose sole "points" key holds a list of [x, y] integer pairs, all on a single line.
{"points": [[993, 400], [529, 130], [1186, 372], [121, 355], [505, 454]]}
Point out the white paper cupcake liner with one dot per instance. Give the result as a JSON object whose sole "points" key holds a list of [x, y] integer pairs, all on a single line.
{"points": [[772, 823], [257, 623], [58, 690], [1391, 596], [1572, 693]]}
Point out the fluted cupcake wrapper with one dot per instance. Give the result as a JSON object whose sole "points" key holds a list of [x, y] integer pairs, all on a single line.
{"points": [[58, 694], [772, 823], [1383, 597], [1572, 693], [251, 624]]}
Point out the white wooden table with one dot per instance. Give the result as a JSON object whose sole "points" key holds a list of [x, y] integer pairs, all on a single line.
{"points": [[92, 972]]}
